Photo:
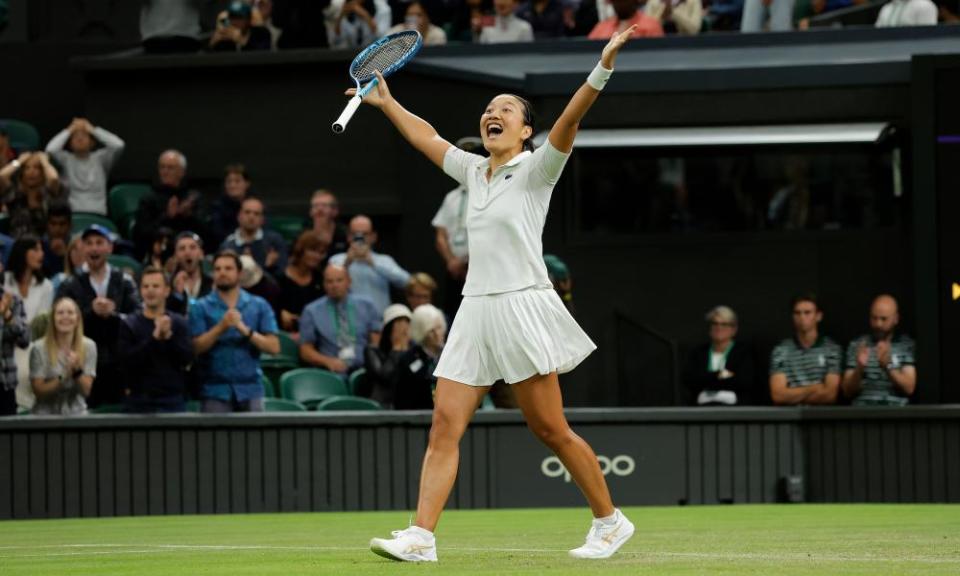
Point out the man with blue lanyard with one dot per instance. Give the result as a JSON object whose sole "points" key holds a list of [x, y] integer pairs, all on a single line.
{"points": [[231, 328], [335, 329]]}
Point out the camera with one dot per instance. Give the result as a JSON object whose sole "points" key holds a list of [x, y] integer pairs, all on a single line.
{"points": [[359, 238]]}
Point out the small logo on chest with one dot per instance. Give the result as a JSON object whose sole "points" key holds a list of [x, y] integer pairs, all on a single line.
{"points": [[508, 176]]}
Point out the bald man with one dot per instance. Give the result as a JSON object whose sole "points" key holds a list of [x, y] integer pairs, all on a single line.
{"points": [[172, 204], [336, 329], [373, 274], [880, 366]]}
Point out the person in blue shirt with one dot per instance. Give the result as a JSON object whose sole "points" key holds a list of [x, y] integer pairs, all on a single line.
{"points": [[230, 329], [372, 273]]}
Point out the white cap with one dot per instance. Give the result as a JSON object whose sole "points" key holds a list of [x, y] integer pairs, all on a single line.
{"points": [[395, 311]]}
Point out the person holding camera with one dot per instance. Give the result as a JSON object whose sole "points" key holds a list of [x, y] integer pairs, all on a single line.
{"points": [[372, 273], [236, 30]]}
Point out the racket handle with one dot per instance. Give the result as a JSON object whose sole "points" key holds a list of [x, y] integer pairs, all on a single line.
{"points": [[341, 123]]}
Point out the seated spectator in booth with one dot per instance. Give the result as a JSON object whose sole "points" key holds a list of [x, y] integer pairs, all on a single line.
{"points": [[302, 281], [57, 238], [14, 336], [230, 329], [263, 16], [259, 283], [85, 168], [720, 372], [382, 361], [628, 13], [546, 17], [267, 247], [161, 249], [155, 349], [27, 185], [880, 368], [763, 15], [898, 13], [189, 280], [71, 264], [420, 290], [7, 153], [470, 20], [372, 273], [172, 203], [63, 364], [360, 22], [416, 382], [417, 17], [806, 368], [685, 17], [336, 329], [324, 210], [105, 295], [223, 213], [507, 27], [235, 31], [170, 26]]}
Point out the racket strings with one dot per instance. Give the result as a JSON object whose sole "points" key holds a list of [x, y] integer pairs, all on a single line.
{"points": [[383, 57]]}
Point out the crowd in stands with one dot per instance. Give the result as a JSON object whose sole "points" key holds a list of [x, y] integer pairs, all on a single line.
{"points": [[251, 25]]}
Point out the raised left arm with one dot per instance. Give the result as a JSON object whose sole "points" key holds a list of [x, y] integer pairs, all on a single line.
{"points": [[565, 128]]}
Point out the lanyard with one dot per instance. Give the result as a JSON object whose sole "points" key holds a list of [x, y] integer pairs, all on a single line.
{"points": [[726, 353], [336, 320]]}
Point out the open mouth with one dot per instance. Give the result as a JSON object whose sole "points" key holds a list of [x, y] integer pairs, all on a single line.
{"points": [[494, 129]]}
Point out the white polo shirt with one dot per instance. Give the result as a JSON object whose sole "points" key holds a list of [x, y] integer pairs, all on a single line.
{"points": [[505, 217], [452, 217]]}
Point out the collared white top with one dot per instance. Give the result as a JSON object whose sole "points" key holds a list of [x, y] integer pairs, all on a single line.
{"points": [[39, 298], [505, 217], [907, 13]]}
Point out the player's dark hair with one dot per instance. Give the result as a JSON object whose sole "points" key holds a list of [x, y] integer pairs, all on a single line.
{"points": [[528, 120]]}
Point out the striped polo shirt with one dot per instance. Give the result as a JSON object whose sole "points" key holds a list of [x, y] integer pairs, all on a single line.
{"points": [[877, 388], [806, 366]]}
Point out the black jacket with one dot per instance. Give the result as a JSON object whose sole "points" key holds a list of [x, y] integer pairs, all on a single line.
{"points": [[415, 381], [697, 378]]}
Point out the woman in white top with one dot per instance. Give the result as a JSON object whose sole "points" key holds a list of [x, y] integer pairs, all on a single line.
{"points": [[511, 325], [86, 169]]}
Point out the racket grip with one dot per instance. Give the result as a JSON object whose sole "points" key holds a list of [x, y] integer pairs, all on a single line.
{"points": [[341, 123]]}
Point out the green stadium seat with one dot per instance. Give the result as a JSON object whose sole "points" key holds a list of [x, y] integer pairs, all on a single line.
{"points": [[310, 386], [125, 263], [268, 390], [282, 405], [194, 406], [23, 136], [348, 403], [289, 351], [355, 379], [83, 219], [487, 403], [107, 409], [124, 201], [287, 226]]}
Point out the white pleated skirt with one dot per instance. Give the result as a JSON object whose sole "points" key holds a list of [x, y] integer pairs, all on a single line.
{"points": [[511, 337]]}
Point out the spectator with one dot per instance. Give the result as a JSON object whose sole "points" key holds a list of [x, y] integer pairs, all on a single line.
{"points": [[546, 17], [450, 224], [880, 366], [7, 153], [263, 14], [506, 26], [170, 26], [775, 15], [383, 360], [908, 13], [189, 280], [223, 216], [420, 289], [172, 203], [155, 349], [685, 17], [415, 382], [720, 372], [266, 246], [805, 369], [628, 14], [302, 281], [73, 262], [324, 211], [230, 329], [57, 238], [303, 23], [63, 364], [724, 15], [258, 283], [85, 170], [105, 295], [235, 31], [373, 274], [360, 22], [336, 329], [470, 20], [418, 18], [26, 196], [13, 338], [161, 249], [559, 275]]}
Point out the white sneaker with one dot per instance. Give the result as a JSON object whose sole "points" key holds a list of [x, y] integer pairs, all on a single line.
{"points": [[605, 539], [411, 545]]}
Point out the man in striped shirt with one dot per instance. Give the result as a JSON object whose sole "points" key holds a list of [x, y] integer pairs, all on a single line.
{"points": [[805, 369], [880, 366]]}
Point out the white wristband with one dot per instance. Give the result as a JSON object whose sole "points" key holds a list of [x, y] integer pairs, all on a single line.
{"points": [[598, 78]]}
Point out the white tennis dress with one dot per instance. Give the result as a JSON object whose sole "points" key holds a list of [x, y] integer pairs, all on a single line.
{"points": [[511, 324]]}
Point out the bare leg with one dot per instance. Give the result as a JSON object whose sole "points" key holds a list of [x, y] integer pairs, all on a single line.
{"points": [[540, 401], [454, 405]]}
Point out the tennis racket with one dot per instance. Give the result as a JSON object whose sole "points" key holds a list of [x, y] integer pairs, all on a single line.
{"points": [[387, 55]]}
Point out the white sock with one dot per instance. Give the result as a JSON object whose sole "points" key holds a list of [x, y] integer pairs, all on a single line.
{"points": [[609, 520], [421, 531]]}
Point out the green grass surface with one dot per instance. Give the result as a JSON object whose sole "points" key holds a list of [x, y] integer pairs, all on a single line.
{"points": [[769, 540]]}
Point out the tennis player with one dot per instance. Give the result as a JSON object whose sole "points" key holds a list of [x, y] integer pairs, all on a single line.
{"points": [[511, 324]]}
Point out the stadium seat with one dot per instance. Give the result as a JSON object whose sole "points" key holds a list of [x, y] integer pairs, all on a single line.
{"points": [[355, 379], [83, 219], [487, 403], [275, 365], [287, 226], [194, 405], [282, 405], [268, 390], [348, 403], [125, 263], [23, 136], [124, 201], [310, 386]]}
